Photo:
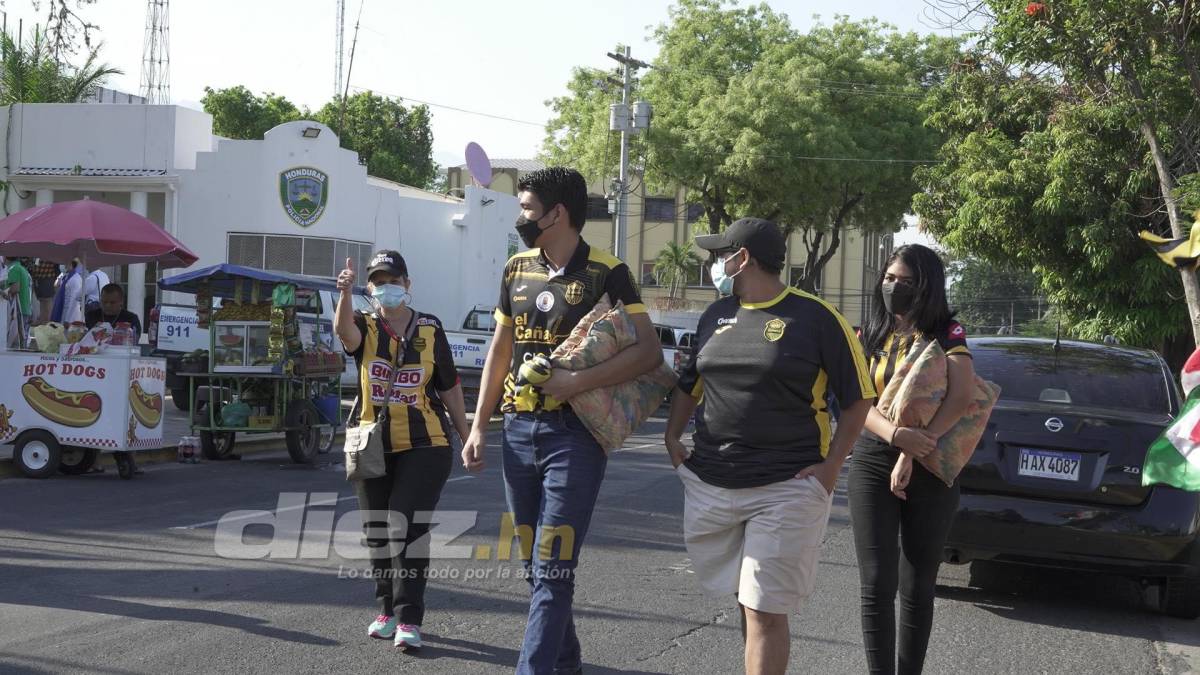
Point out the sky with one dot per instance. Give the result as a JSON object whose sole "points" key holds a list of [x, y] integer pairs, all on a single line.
{"points": [[501, 58]]}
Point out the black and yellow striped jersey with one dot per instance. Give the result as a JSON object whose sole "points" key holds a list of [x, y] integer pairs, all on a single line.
{"points": [[543, 305], [416, 414], [762, 371], [885, 360]]}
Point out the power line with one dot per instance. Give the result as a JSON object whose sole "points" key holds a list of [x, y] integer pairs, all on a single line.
{"points": [[450, 107]]}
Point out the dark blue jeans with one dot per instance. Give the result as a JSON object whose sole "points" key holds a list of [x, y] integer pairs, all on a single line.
{"points": [[552, 474]]}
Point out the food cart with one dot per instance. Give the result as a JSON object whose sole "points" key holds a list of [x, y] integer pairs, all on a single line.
{"points": [[271, 365], [67, 403]]}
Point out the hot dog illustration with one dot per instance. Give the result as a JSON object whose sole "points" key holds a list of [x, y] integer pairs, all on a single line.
{"points": [[68, 408], [147, 408]]}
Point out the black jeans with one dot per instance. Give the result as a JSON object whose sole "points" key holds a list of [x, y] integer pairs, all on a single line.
{"points": [[413, 483], [922, 523]]}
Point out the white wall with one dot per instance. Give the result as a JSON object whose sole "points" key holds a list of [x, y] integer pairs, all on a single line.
{"points": [[107, 136]]}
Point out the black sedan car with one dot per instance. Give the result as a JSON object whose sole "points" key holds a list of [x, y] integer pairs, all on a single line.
{"points": [[1056, 479]]}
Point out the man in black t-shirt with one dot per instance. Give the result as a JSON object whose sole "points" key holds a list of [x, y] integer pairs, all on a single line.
{"points": [[112, 309], [553, 466], [759, 484]]}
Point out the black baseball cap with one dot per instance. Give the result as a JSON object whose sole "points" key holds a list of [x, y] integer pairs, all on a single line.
{"points": [[762, 238], [388, 261]]}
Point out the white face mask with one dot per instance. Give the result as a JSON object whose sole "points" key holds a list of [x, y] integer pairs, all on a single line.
{"points": [[391, 296], [722, 281]]}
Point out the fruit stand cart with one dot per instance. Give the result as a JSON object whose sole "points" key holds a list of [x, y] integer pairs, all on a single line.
{"points": [[271, 367]]}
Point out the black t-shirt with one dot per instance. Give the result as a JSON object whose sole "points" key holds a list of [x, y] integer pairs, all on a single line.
{"points": [[543, 306], [96, 316], [762, 372]]}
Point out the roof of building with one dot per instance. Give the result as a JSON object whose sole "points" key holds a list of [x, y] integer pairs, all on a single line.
{"points": [[521, 165], [410, 191], [86, 171]]}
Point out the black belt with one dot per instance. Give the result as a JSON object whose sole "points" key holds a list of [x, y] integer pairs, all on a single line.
{"points": [[560, 413]]}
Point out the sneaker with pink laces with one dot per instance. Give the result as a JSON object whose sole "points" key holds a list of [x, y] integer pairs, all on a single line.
{"points": [[408, 636], [383, 627]]}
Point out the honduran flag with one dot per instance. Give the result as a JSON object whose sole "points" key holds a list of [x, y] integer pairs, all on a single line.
{"points": [[1174, 458]]}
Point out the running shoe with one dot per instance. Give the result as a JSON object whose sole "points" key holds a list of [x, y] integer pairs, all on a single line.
{"points": [[408, 636], [383, 627]]}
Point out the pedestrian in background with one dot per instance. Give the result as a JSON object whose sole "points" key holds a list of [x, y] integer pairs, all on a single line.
{"points": [[890, 495]]}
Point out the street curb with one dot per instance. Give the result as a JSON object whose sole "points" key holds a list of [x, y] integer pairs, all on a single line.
{"points": [[170, 454]]}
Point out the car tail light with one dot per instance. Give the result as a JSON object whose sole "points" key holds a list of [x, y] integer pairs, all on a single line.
{"points": [[678, 360], [152, 327]]}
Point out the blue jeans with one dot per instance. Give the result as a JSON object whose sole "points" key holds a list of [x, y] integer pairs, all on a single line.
{"points": [[552, 473]]}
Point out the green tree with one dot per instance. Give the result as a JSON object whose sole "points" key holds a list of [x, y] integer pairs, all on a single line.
{"points": [[1128, 72], [394, 141], [1039, 176], [29, 72], [990, 297], [747, 113], [674, 264], [238, 113]]}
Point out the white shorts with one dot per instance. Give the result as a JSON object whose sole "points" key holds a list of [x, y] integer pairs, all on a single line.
{"points": [[761, 543]]}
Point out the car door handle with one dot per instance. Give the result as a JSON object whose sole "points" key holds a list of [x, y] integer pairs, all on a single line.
{"points": [[475, 341]]}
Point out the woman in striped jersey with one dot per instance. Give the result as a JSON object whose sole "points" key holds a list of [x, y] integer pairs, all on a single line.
{"points": [[891, 496], [408, 385]]}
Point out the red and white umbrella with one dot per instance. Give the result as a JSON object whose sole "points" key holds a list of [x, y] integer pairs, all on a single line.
{"points": [[98, 234]]}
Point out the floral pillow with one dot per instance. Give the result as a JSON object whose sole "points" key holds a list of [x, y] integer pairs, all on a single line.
{"points": [[612, 413], [915, 394]]}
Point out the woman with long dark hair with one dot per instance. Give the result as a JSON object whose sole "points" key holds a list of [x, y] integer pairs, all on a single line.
{"points": [[892, 497]]}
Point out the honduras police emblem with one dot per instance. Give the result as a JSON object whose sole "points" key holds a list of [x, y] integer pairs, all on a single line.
{"points": [[304, 192]]}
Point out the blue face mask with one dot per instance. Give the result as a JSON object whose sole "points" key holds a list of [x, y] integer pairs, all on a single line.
{"points": [[722, 281], [391, 296]]}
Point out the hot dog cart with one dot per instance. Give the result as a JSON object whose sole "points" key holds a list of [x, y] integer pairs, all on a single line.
{"points": [[58, 410], [271, 365]]}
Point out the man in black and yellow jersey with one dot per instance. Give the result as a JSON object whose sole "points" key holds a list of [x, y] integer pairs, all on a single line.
{"points": [[759, 483], [552, 465], [407, 385]]}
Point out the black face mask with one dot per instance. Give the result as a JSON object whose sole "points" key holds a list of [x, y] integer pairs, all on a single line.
{"points": [[529, 230], [898, 298]]}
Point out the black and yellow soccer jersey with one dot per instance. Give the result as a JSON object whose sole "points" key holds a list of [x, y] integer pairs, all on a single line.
{"points": [[884, 361], [543, 306], [762, 372], [415, 412]]}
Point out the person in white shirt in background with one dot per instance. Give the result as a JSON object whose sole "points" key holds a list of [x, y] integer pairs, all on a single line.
{"points": [[70, 289], [96, 280]]}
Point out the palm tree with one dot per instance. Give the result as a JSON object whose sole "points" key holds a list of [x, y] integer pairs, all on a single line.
{"points": [[673, 265], [29, 73]]}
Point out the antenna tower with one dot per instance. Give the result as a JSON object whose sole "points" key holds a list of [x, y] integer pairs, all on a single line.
{"points": [[156, 53]]}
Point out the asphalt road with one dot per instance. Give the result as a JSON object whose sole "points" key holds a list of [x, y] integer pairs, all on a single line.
{"points": [[106, 576]]}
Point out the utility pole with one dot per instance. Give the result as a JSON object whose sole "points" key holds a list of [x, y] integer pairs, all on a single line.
{"points": [[629, 122]]}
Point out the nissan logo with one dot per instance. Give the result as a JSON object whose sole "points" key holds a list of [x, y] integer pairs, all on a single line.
{"points": [[1054, 425]]}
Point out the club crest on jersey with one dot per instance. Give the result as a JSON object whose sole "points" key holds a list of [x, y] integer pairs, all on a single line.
{"points": [[774, 330], [545, 301], [573, 293]]}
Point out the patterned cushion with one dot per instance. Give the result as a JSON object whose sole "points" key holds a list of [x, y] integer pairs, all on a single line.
{"points": [[613, 413], [915, 394]]}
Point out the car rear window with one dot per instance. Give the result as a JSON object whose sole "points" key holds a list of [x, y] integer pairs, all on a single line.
{"points": [[1086, 377]]}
